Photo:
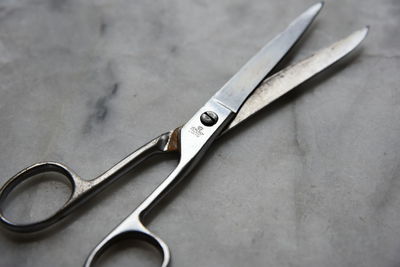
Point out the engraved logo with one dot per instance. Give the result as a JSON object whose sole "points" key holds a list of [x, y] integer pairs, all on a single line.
{"points": [[197, 131]]}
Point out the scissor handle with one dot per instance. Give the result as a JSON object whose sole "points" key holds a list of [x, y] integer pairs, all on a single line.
{"points": [[194, 139], [40, 168], [81, 190], [133, 228], [130, 228]]}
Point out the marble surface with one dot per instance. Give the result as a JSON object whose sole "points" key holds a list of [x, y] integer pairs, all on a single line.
{"points": [[314, 180]]}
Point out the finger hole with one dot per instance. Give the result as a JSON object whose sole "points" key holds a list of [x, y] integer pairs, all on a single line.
{"points": [[36, 198], [131, 250]]}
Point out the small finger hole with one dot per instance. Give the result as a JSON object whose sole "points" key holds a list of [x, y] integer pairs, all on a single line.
{"points": [[37, 198], [128, 252]]}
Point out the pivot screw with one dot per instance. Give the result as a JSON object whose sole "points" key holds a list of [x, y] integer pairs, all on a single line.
{"points": [[209, 118]]}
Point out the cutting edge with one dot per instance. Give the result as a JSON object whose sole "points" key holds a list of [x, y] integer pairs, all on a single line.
{"points": [[292, 76], [234, 93]]}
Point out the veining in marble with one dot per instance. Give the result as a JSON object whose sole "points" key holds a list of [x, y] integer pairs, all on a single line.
{"points": [[312, 181]]}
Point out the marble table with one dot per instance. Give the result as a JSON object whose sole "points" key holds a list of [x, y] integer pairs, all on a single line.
{"points": [[313, 180]]}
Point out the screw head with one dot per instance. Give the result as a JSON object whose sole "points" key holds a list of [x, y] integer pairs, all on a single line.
{"points": [[209, 118]]}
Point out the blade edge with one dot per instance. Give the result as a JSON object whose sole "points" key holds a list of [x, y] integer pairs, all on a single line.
{"points": [[234, 93], [292, 76]]}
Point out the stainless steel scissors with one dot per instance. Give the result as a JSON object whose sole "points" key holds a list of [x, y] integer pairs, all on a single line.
{"points": [[244, 94]]}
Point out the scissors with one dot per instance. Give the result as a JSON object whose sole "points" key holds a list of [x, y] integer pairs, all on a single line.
{"points": [[247, 92]]}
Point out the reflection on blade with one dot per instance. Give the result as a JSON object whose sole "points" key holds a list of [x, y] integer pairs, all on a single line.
{"points": [[290, 77], [241, 85]]}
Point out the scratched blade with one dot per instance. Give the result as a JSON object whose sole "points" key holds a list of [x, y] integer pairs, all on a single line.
{"points": [[241, 85], [290, 77]]}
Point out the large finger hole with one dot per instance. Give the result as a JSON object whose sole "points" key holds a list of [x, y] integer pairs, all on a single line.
{"points": [[37, 198], [128, 252]]}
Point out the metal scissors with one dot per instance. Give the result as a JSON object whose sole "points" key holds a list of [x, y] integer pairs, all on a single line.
{"points": [[244, 94]]}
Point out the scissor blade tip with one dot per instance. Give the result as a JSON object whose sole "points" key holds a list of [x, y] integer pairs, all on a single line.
{"points": [[362, 33], [366, 29], [317, 6], [313, 10]]}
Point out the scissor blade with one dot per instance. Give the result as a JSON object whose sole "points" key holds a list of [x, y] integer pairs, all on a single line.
{"points": [[241, 85], [290, 77]]}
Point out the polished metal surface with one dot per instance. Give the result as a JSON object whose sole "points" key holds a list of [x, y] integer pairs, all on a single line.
{"points": [[239, 87], [290, 77], [81, 190], [194, 138]]}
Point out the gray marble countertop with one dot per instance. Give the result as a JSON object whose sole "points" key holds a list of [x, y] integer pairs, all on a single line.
{"points": [[314, 180]]}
